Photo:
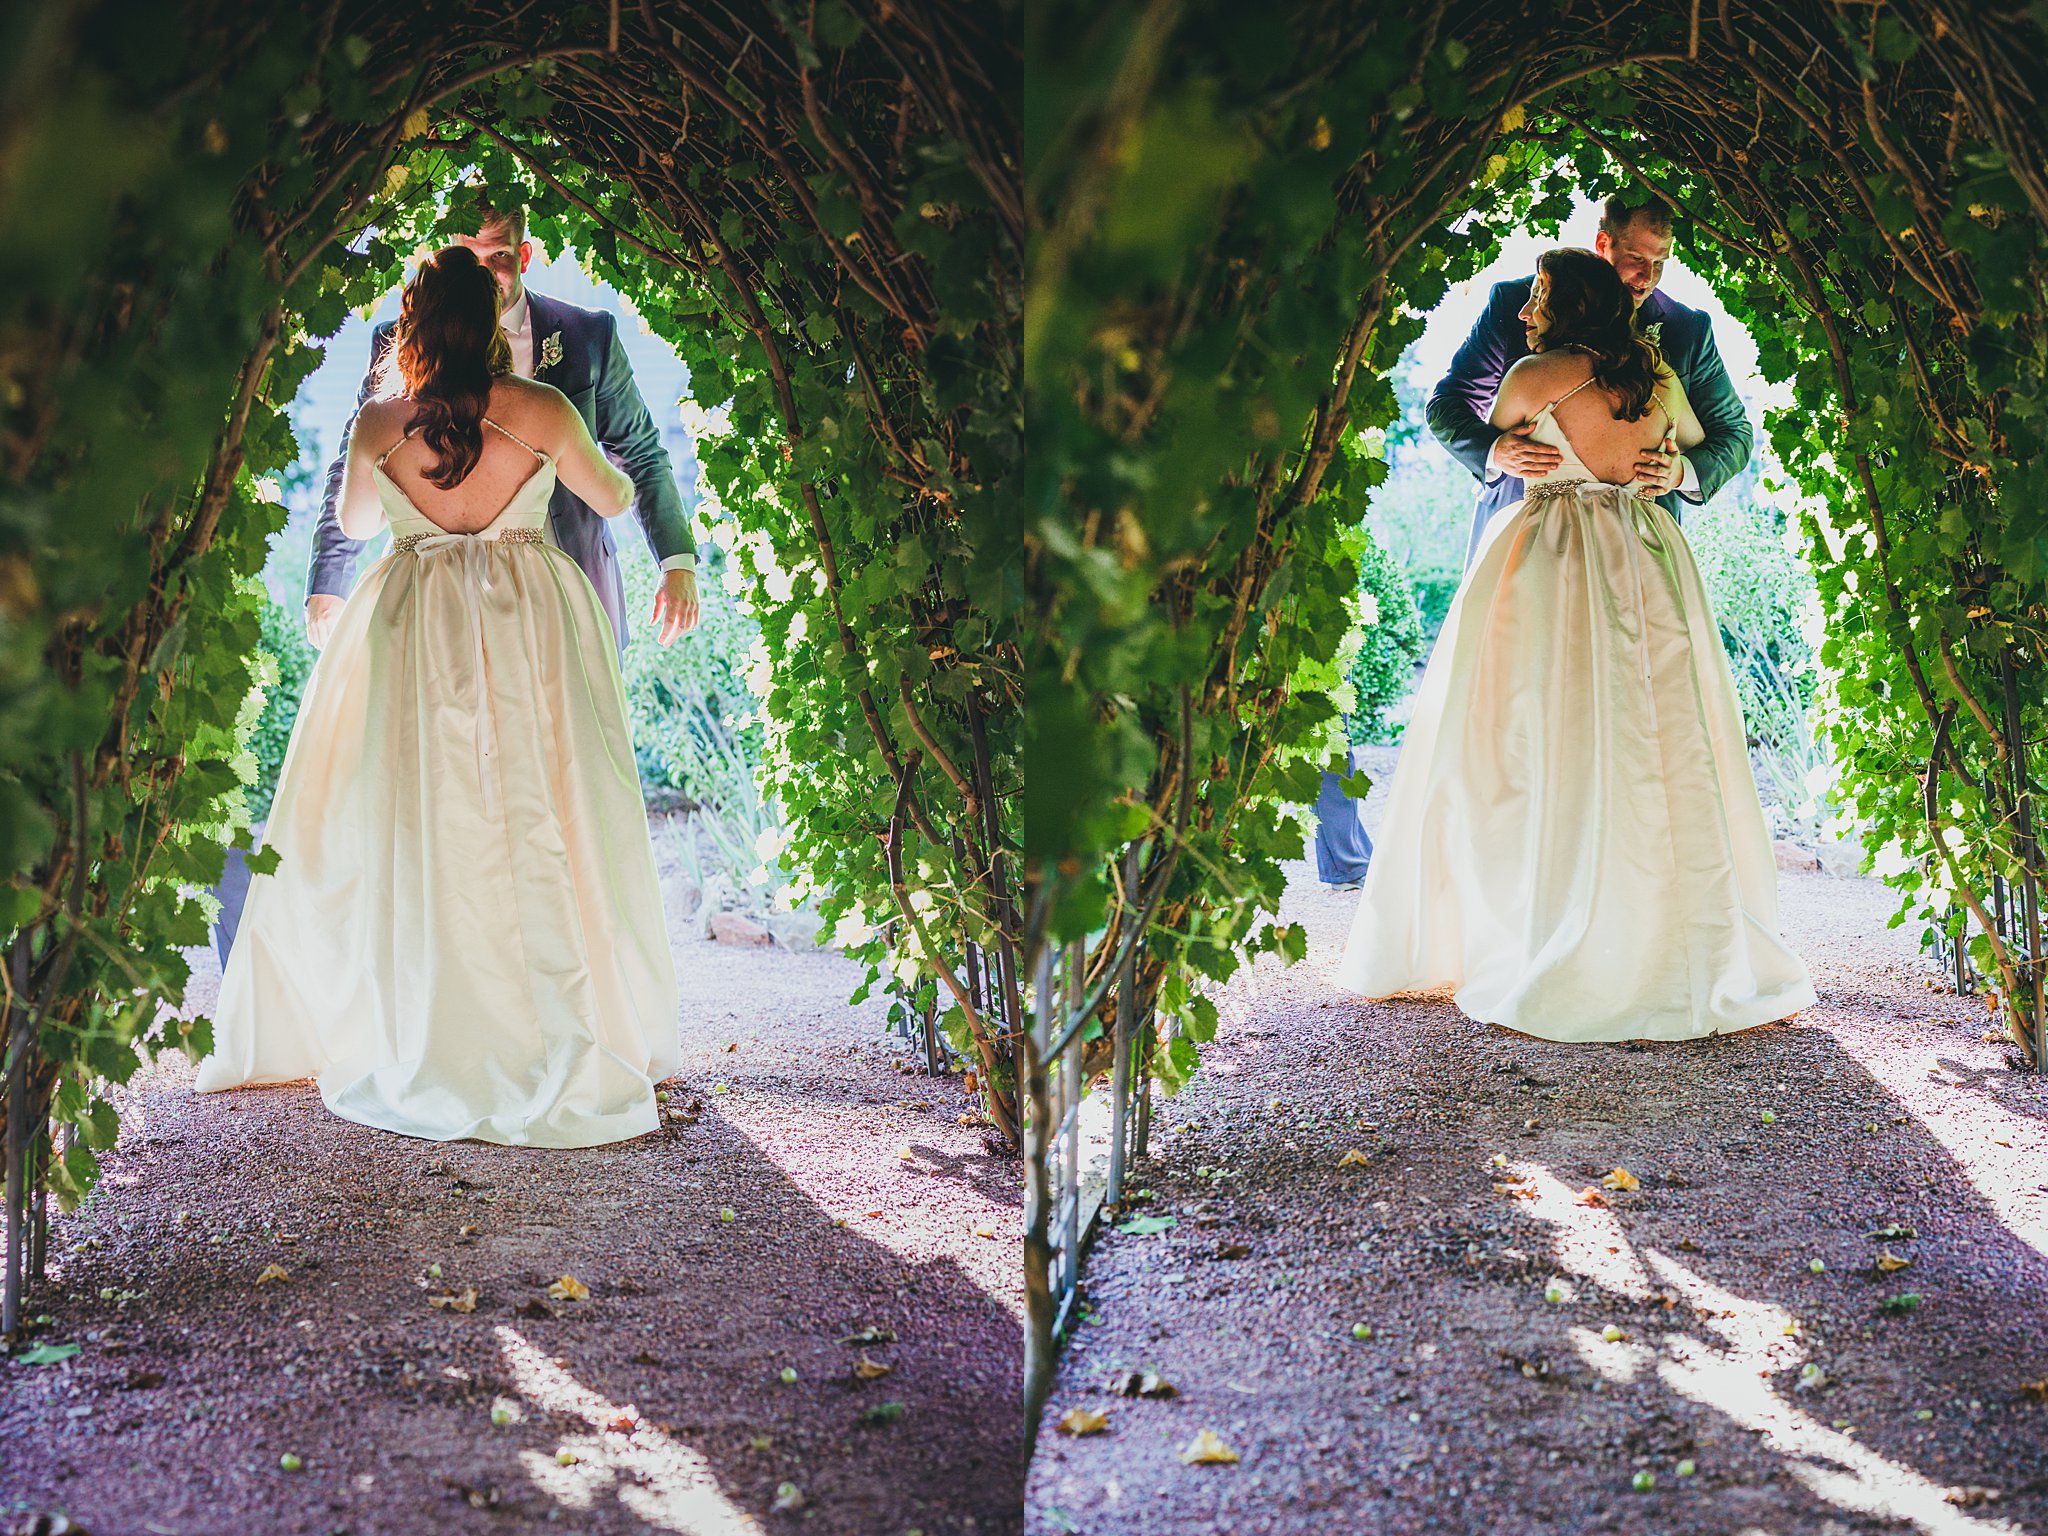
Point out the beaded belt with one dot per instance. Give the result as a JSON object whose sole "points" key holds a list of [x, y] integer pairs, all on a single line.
{"points": [[1551, 488], [413, 541]]}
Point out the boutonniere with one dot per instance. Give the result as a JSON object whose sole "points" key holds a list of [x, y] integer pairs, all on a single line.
{"points": [[1653, 333], [550, 351]]}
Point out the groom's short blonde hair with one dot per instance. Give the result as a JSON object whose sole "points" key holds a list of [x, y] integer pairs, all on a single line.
{"points": [[1618, 213], [508, 211]]}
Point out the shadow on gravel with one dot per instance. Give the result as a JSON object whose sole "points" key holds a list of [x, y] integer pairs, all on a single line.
{"points": [[656, 1404], [1541, 1335], [987, 1174]]}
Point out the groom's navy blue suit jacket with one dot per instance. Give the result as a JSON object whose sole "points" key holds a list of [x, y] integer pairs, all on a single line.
{"points": [[595, 373], [1459, 405]]}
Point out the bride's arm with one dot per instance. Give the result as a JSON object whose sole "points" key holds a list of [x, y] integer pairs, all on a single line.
{"points": [[359, 510], [591, 477], [1518, 398], [1671, 389]]}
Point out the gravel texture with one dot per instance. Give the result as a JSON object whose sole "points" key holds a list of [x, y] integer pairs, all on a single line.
{"points": [[856, 1194], [1758, 1395]]}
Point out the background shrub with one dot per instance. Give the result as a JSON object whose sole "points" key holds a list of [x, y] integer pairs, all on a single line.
{"points": [[1383, 672], [287, 658], [1768, 608]]}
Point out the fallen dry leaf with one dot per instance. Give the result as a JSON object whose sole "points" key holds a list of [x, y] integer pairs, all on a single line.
{"points": [[569, 1288], [1970, 1496], [1207, 1449], [273, 1272], [1083, 1421], [1889, 1262], [2036, 1389], [455, 1301], [870, 1370], [1621, 1178], [1142, 1384], [871, 1335], [1591, 1196], [1233, 1250], [1352, 1159], [986, 1229]]}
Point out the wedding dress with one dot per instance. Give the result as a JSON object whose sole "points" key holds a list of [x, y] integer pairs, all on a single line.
{"points": [[464, 935], [1572, 839]]}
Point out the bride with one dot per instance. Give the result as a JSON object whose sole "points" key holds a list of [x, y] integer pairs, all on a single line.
{"points": [[463, 935], [1573, 840]]}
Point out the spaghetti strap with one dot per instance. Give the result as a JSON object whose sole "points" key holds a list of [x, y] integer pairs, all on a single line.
{"points": [[396, 446], [522, 442], [1560, 400]]}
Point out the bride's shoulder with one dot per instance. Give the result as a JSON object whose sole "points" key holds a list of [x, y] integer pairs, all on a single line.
{"points": [[380, 422], [536, 411], [1542, 372], [511, 389]]}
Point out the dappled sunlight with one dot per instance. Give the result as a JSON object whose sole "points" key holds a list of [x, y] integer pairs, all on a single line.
{"points": [[2001, 1153], [620, 1455], [1759, 1341], [1587, 1239], [904, 1223], [1617, 1360]]}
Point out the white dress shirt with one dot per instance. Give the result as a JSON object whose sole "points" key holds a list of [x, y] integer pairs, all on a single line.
{"points": [[518, 324]]}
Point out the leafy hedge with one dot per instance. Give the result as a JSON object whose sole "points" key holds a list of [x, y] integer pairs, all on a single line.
{"points": [[816, 208], [287, 658], [1382, 674], [1239, 218]]}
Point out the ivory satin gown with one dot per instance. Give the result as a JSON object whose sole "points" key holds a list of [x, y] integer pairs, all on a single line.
{"points": [[464, 934], [1572, 839]]}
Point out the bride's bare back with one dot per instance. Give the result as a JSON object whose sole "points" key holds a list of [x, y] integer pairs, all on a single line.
{"points": [[1608, 447], [532, 413]]}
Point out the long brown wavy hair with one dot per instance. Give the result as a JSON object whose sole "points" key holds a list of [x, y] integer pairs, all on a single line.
{"points": [[448, 347], [1590, 308]]}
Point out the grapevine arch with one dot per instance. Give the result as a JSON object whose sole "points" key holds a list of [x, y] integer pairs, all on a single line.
{"points": [[816, 205], [1238, 224]]}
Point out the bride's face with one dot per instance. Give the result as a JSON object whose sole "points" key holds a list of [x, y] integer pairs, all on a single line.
{"points": [[1535, 314]]}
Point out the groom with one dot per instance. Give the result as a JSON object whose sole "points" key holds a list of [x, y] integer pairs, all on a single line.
{"points": [[1636, 239], [579, 352]]}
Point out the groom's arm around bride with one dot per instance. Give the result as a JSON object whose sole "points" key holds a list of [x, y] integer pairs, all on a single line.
{"points": [[1637, 241]]}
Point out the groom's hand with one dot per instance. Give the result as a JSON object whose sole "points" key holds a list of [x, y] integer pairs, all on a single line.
{"points": [[1515, 455], [322, 609], [1660, 469], [675, 605]]}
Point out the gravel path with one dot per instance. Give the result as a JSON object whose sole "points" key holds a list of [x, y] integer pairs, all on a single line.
{"points": [[1534, 1350], [856, 1194]]}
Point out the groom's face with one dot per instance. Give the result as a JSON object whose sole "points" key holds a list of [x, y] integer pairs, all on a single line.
{"points": [[504, 257], [1638, 255]]}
